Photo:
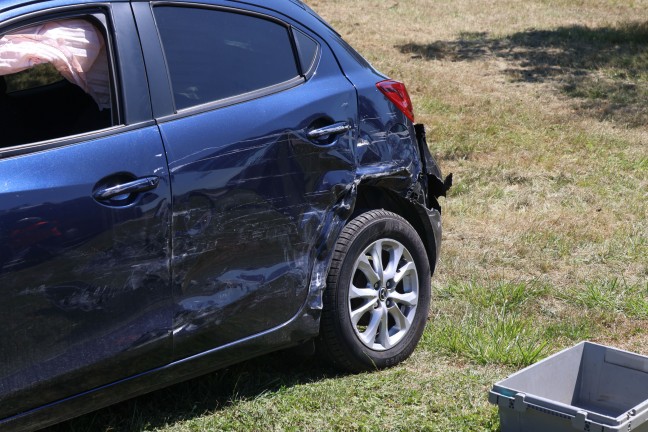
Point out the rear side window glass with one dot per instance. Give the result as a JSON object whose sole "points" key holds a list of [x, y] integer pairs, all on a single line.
{"points": [[213, 54], [307, 48]]}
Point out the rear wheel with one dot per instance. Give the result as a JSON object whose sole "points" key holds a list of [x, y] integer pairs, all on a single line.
{"points": [[378, 293]]}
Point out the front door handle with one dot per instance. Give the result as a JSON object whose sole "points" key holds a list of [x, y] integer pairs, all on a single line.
{"points": [[136, 186], [334, 129]]}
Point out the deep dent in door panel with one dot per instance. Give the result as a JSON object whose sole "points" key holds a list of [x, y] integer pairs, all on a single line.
{"points": [[241, 210], [239, 215]]}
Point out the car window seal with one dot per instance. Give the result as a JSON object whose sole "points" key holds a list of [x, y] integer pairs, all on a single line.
{"points": [[22, 149]]}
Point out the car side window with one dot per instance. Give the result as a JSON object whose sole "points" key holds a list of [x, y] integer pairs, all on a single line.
{"points": [[307, 49], [216, 54], [55, 80]]}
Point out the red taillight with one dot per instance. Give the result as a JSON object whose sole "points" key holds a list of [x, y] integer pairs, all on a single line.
{"points": [[397, 93]]}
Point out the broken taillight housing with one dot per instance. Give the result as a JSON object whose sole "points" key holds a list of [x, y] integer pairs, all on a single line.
{"points": [[397, 93]]}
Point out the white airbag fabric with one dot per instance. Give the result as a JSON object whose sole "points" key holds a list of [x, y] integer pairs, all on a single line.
{"points": [[74, 47]]}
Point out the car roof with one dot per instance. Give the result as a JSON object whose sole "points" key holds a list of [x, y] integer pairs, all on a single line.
{"points": [[273, 3], [289, 8], [10, 4], [6, 5], [284, 6]]}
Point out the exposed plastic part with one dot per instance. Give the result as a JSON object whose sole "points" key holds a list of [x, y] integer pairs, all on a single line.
{"points": [[74, 47], [437, 185], [397, 93], [588, 387]]}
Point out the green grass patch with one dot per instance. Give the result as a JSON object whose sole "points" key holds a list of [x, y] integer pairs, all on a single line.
{"points": [[572, 328], [612, 296], [281, 393], [490, 336], [506, 295], [487, 324]]}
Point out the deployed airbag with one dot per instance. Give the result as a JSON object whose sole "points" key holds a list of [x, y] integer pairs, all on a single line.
{"points": [[75, 47]]}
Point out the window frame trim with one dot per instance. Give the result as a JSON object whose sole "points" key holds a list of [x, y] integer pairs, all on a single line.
{"points": [[299, 79], [28, 148], [232, 100]]}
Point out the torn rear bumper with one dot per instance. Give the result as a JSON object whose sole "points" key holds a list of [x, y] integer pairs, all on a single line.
{"points": [[436, 185]]}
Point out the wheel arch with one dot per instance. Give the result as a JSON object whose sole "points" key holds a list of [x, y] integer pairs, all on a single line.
{"points": [[374, 197], [355, 345], [360, 198]]}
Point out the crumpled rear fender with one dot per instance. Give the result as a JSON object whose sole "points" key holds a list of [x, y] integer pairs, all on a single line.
{"points": [[409, 190]]}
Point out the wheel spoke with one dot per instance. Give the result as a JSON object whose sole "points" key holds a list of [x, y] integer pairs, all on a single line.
{"points": [[403, 271], [401, 320], [383, 333], [356, 292], [368, 270], [369, 335], [376, 255], [407, 299], [395, 255], [358, 313]]}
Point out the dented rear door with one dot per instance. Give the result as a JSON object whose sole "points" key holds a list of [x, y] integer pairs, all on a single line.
{"points": [[254, 176]]}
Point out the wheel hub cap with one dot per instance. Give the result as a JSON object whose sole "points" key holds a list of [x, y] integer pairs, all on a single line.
{"points": [[383, 294]]}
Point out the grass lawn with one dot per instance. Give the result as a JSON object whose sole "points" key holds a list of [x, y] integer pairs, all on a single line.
{"points": [[540, 109]]}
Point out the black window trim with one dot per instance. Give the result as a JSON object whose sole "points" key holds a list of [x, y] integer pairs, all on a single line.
{"points": [[65, 12], [240, 98]]}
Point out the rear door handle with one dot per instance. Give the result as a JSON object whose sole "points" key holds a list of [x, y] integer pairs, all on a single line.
{"points": [[334, 129], [136, 186]]}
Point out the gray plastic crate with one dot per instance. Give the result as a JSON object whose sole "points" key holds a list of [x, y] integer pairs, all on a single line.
{"points": [[588, 387]]}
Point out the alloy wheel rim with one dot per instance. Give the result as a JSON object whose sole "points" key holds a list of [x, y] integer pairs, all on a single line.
{"points": [[383, 294]]}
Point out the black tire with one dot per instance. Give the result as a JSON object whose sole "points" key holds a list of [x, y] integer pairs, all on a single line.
{"points": [[341, 340]]}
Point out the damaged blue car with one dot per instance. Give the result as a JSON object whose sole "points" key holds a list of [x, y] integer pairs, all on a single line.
{"points": [[185, 185]]}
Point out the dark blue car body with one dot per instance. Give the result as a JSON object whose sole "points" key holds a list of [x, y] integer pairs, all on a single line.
{"points": [[220, 252]]}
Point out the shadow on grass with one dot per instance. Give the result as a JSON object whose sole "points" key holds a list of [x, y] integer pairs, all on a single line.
{"points": [[203, 395], [606, 68]]}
